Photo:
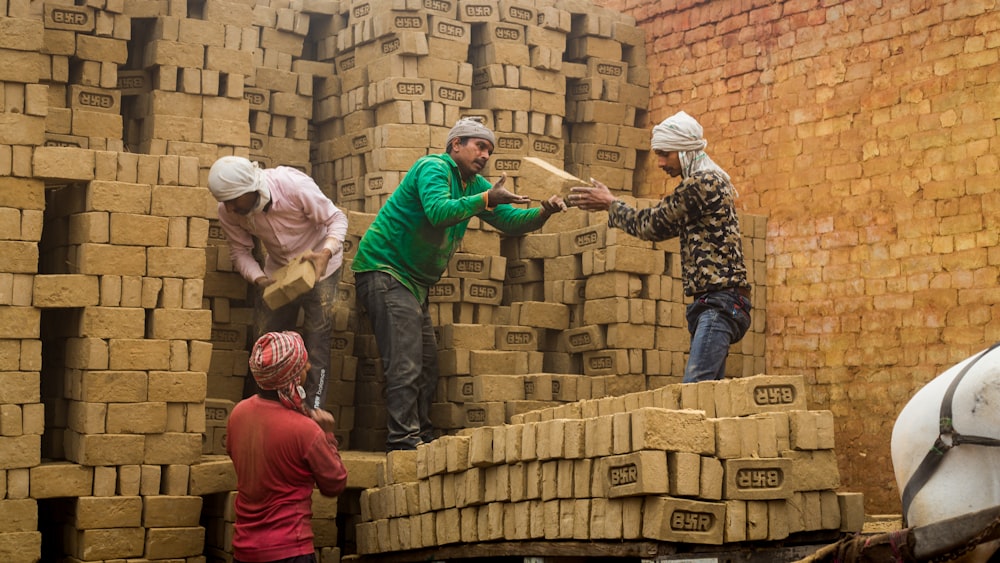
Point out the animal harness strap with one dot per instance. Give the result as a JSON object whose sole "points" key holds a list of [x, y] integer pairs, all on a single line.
{"points": [[947, 438]]}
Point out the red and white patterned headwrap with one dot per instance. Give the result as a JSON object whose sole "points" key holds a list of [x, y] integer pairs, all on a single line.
{"points": [[276, 362]]}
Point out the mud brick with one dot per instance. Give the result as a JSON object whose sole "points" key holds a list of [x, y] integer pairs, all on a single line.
{"points": [[711, 478], [65, 162], [804, 429], [600, 435], [621, 335], [457, 453], [606, 311], [757, 520], [100, 259], [757, 479], [483, 388], [61, 479], [174, 324], [105, 543], [852, 511], [174, 542], [482, 292], [812, 470], [86, 123], [92, 512], [684, 473], [70, 18], [544, 81], [127, 354], [136, 418], [217, 412], [541, 315], [104, 449], [679, 431], [634, 474], [65, 290], [465, 265], [111, 322], [767, 393], [162, 511], [735, 527], [516, 338], [683, 520], [397, 89], [149, 479], [214, 474], [539, 179], [86, 418], [635, 260], [583, 339], [498, 362], [400, 466], [605, 362], [466, 336]]}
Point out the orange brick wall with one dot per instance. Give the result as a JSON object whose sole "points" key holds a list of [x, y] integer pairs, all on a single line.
{"points": [[867, 132]]}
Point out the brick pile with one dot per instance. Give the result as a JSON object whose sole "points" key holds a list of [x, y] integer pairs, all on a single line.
{"points": [[708, 463]]}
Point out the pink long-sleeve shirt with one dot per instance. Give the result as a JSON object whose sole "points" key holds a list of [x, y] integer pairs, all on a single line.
{"points": [[299, 218]]}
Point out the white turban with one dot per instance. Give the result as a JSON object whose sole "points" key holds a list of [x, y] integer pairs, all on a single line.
{"points": [[682, 133], [232, 176], [470, 127]]}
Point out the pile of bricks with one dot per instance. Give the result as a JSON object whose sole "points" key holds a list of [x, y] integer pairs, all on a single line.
{"points": [[707, 463]]}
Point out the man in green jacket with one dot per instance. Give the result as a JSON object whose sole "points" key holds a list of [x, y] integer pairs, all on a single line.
{"points": [[406, 250]]}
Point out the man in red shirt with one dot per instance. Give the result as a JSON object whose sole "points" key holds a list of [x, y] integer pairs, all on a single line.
{"points": [[281, 450]]}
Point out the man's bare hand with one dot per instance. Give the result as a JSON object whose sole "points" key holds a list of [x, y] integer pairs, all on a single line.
{"points": [[592, 198], [319, 260], [553, 205], [324, 419], [263, 282], [499, 194]]}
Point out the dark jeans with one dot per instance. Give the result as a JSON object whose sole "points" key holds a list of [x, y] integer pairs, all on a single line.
{"points": [[408, 347], [310, 558], [716, 320], [317, 332]]}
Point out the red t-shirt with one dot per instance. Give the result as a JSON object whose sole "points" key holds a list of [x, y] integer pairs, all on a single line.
{"points": [[279, 455]]}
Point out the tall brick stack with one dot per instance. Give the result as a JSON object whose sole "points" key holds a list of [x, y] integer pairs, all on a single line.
{"points": [[708, 463]]}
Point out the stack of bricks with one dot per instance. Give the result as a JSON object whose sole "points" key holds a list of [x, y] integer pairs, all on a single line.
{"points": [[193, 63], [608, 96], [518, 79], [84, 46], [281, 86], [708, 463], [110, 294]]}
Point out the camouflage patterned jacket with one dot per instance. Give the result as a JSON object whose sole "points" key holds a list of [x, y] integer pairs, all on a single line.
{"points": [[702, 212]]}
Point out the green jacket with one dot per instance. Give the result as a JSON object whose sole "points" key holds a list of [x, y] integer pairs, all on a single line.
{"points": [[422, 223]]}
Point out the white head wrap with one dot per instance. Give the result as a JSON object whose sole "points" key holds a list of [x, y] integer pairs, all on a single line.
{"points": [[682, 133], [232, 176], [470, 127]]}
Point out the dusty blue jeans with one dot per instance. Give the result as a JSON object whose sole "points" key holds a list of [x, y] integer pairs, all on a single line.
{"points": [[406, 342], [716, 320], [317, 333]]}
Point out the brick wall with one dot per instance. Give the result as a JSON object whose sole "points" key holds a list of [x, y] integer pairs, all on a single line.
{"points": [[867, 132]]}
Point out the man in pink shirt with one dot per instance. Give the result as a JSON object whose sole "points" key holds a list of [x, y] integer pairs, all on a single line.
{"points": [[285, 210], [281, 450]]}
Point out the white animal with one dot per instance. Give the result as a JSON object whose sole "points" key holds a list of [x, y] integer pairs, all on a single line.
{"points": [[951, 427]]}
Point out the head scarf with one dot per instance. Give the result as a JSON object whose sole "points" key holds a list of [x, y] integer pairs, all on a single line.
{"points": [[276, 362], [470, 127], [682, 133], [232, 176]]}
